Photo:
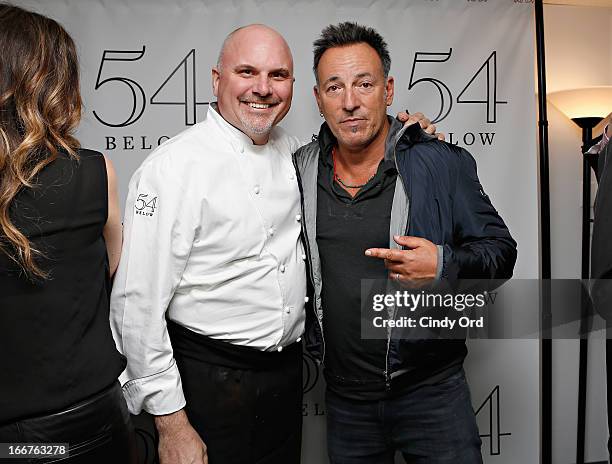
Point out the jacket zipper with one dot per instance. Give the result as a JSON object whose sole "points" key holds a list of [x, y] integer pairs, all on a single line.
{"points": [[308, 255], [408, 196]]}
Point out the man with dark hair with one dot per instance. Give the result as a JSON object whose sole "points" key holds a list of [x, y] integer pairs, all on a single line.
{"points": [[348, 34], [373, 189]]}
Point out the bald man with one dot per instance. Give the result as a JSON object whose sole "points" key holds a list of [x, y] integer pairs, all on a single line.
{"points": [[208, 301]]}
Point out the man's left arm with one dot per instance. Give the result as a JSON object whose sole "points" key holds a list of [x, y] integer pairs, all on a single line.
{"points": [[483, 247]]}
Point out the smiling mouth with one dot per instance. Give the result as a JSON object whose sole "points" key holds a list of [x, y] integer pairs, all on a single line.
{"points": [[260, 106]]}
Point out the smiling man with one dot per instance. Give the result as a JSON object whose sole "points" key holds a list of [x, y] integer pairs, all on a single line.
{"points": [[382, 200], [208, 303]]}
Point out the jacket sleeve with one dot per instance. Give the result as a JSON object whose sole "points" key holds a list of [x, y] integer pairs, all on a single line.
{"points": [[601, 249], [159, 229], [482, 245]]}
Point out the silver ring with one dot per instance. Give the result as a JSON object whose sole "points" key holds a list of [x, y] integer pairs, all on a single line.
{"points": [[397, 276]]}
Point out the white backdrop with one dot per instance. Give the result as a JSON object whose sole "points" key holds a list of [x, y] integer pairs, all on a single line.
{"points": [[469, 63]]}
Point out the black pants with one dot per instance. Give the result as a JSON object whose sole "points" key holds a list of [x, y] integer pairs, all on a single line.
{"points": [[245, 404], [98, 431], [609, 387]]}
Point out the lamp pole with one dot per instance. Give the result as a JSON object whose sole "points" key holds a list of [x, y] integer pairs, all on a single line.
{"points": [[587, 125], [584, 106], [545, 247]]}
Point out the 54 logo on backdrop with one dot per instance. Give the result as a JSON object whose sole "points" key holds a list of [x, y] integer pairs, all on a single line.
{"points": [[179, 89], [134, 109], [480, 89]]}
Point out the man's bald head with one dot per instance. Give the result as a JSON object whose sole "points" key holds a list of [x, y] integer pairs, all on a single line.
{"points": [[251, 32], [253, 80]]}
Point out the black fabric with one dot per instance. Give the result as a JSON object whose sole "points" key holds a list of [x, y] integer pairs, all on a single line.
{"points": [[56, 346], [601, 249], [244, 415], [601, 263], [227, 354], [354, 367], [609, 387], [98, 431]]}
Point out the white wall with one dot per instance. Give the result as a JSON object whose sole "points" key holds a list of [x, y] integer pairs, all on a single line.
{"points": [[578, 44]]}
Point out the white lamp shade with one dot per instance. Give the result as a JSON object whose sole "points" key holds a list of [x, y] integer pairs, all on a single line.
{"points": [[588, 102]]}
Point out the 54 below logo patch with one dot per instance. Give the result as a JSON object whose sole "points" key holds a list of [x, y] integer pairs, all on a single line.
{"points": [[145, 204]]}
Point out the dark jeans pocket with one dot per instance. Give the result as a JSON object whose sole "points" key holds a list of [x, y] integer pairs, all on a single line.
{"points": [[451, 383]]}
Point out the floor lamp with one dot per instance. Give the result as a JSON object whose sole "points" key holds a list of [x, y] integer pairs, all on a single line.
{"points": [[586, 107]]}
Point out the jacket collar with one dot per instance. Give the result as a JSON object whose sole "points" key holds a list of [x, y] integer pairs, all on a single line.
{"points": [[398, 134]]}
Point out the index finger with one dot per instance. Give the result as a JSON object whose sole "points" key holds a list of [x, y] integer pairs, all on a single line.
{"points": [[383, 253]]}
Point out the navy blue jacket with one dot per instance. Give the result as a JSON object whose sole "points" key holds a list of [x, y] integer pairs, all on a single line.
{"points": [[437, 197]]}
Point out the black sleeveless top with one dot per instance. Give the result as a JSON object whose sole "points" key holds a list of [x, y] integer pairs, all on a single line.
{"points": [[56, 347]]}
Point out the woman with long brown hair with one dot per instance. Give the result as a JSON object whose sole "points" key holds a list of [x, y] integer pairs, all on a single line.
{"points": [[60, 239]]}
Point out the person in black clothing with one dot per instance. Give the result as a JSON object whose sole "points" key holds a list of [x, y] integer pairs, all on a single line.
{"points": [[382, 201], [59, 225], [601, 256], [601, 253]]}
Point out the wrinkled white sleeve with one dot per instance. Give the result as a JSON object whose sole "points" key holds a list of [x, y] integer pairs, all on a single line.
{"points": [[161, 219]]}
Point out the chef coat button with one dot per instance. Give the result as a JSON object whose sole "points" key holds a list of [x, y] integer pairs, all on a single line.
{"points": [[256, 190], [280, 348], [271, 231], [282, 268], [304, 256], [291, 177], [298, 217], [306, 299]]}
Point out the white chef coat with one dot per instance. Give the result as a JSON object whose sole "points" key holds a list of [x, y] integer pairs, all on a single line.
{"points": [[212, 239]]}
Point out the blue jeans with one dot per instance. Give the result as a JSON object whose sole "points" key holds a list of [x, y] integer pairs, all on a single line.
{"points": [[435, 424]]}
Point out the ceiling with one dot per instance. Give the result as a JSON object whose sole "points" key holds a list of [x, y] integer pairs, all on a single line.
{"points": [[604, 3]]}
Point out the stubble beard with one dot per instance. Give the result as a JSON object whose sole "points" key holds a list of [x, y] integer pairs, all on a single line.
{"points": [[258, 125]]}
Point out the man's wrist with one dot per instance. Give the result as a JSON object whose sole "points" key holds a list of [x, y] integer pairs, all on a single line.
{"points": [[170, 422]]}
